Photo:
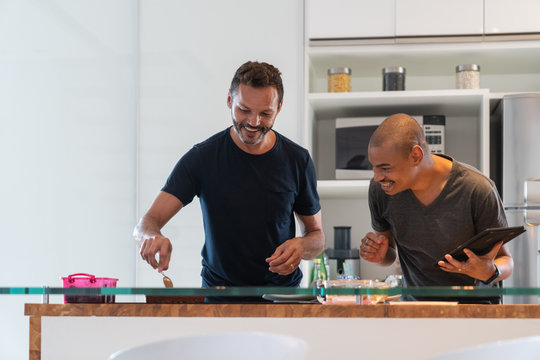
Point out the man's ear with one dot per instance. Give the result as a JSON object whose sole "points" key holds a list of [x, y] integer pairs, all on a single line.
{"points": [[229, 99], [416, 156], [279, 106]]}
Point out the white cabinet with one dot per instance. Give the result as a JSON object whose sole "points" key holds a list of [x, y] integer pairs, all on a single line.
{"points": [[346, 19], [516, 16], [413, 20], [439, 17]]}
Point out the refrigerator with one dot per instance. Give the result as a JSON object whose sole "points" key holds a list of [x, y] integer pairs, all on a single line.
{"points": [[519, 184]]}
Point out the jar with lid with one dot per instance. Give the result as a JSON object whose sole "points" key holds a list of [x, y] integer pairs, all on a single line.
{"points": [[393, 78], [339, 79], [468, 76]]}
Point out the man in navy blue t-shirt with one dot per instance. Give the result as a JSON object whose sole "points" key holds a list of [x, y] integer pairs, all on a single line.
{"points": [[250, 181]]}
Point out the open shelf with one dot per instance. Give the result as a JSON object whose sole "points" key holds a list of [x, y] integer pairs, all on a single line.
{"points": [[342, 189], [430, 58], [507, 67], [384, 103], [504, 65]]}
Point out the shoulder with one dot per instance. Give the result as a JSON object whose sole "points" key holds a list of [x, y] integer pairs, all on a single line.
{"points": [[290, 147], [214, 140], [201, 152], [473, 179], [472, 174]]}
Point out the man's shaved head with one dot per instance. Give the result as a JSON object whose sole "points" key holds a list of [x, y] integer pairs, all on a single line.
{"points": [[401, 131]]}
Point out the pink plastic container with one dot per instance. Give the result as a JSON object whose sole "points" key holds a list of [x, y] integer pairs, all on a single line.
{"points": [[88, 281]]}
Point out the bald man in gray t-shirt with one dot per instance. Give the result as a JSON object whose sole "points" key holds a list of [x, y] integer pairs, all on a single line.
{"points": [[467, 204], [424, 205]]}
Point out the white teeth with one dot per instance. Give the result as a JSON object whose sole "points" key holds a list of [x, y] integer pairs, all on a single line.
{"points": [[251, 129], [386, 185]]}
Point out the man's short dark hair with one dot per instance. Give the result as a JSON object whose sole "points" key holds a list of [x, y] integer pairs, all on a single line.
{"points": [[258, 75]]}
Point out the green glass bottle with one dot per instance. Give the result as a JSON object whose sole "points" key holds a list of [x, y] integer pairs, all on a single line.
{"points": [[319, 273]]}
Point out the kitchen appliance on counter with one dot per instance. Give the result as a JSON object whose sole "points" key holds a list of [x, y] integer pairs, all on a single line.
{"points": [[347, 260], [517, 126]]}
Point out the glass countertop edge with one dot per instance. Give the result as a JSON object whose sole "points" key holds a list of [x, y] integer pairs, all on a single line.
{"points": [[466, 291]]}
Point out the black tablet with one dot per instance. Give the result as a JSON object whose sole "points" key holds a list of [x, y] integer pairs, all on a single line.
{"points": [[483, 242]]}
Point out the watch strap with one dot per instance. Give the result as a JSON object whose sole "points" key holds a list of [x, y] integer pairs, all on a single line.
{"points": [[493, 277]]}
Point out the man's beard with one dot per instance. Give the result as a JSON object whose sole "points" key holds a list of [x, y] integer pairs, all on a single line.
{"points": [[250, 141]]}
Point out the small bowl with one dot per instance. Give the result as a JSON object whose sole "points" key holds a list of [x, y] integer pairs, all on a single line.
{"points": [[360, 299]]}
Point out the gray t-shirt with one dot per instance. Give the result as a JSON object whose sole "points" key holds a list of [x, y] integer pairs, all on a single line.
{"points": [[468, 204]]}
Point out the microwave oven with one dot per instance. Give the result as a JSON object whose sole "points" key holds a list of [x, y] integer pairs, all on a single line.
{"points": [[352, 140]]}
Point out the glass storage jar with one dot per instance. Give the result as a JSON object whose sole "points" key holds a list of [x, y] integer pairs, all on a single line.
{"points": [[339, 79], [393, 78], [468, 76]]}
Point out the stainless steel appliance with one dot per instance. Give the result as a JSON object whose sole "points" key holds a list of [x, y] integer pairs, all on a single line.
{"points": [[434, 131], [352, 140], [520, 165]]}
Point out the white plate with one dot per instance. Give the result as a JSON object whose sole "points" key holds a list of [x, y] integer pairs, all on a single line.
{"points": [[289, 298]]}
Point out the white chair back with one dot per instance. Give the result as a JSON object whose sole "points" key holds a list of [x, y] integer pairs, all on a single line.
{"points": [[526, 348], [225, 346]]}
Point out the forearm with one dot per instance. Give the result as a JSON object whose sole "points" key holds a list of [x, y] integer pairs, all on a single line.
{"points": [[312, 239], [164, 207], [389, 257], [506, 266], [313, 244], [391, 254], [147, 227]]}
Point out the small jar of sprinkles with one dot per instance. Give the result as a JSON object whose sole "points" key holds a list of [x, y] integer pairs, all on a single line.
{"points": [[468, 76], [339, 79]]}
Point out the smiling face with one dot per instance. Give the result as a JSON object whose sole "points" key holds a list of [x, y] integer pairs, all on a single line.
{"points": [[253, 112], [394, 170], [396, 152]]}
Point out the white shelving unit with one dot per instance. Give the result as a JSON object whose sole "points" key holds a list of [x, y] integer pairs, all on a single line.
{"points": [[509, 63], [506, 67]]}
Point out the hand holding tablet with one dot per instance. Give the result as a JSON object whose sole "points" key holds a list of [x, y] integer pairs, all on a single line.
{"points": [[483, 242]]}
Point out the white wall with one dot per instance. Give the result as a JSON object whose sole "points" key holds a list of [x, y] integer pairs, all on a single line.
{"points": [[68, 76], [83, 156], [189, 53]]}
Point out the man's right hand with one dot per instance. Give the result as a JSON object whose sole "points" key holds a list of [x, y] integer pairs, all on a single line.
{"points": [[374, 247], [154, 245], [164, 207]]}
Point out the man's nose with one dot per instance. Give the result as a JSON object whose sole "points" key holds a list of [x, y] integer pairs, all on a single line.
{"points": [[377, 175], [254, 120]]}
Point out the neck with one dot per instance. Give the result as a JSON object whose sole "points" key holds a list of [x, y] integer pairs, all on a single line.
{"points": [[432, 175], [262, 147]]}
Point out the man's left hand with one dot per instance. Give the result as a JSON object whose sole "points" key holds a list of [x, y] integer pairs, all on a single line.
{"points": [[478, 267], [287, 257]]}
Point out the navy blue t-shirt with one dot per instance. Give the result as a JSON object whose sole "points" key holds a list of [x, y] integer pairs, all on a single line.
{"points": [[248, 204]]}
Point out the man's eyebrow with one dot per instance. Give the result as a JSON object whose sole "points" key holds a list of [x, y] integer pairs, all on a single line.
{"points": [[382, 165], [247, 107]]}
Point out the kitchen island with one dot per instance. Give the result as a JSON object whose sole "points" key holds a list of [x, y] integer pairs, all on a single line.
{"points": [[410, 330]]}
